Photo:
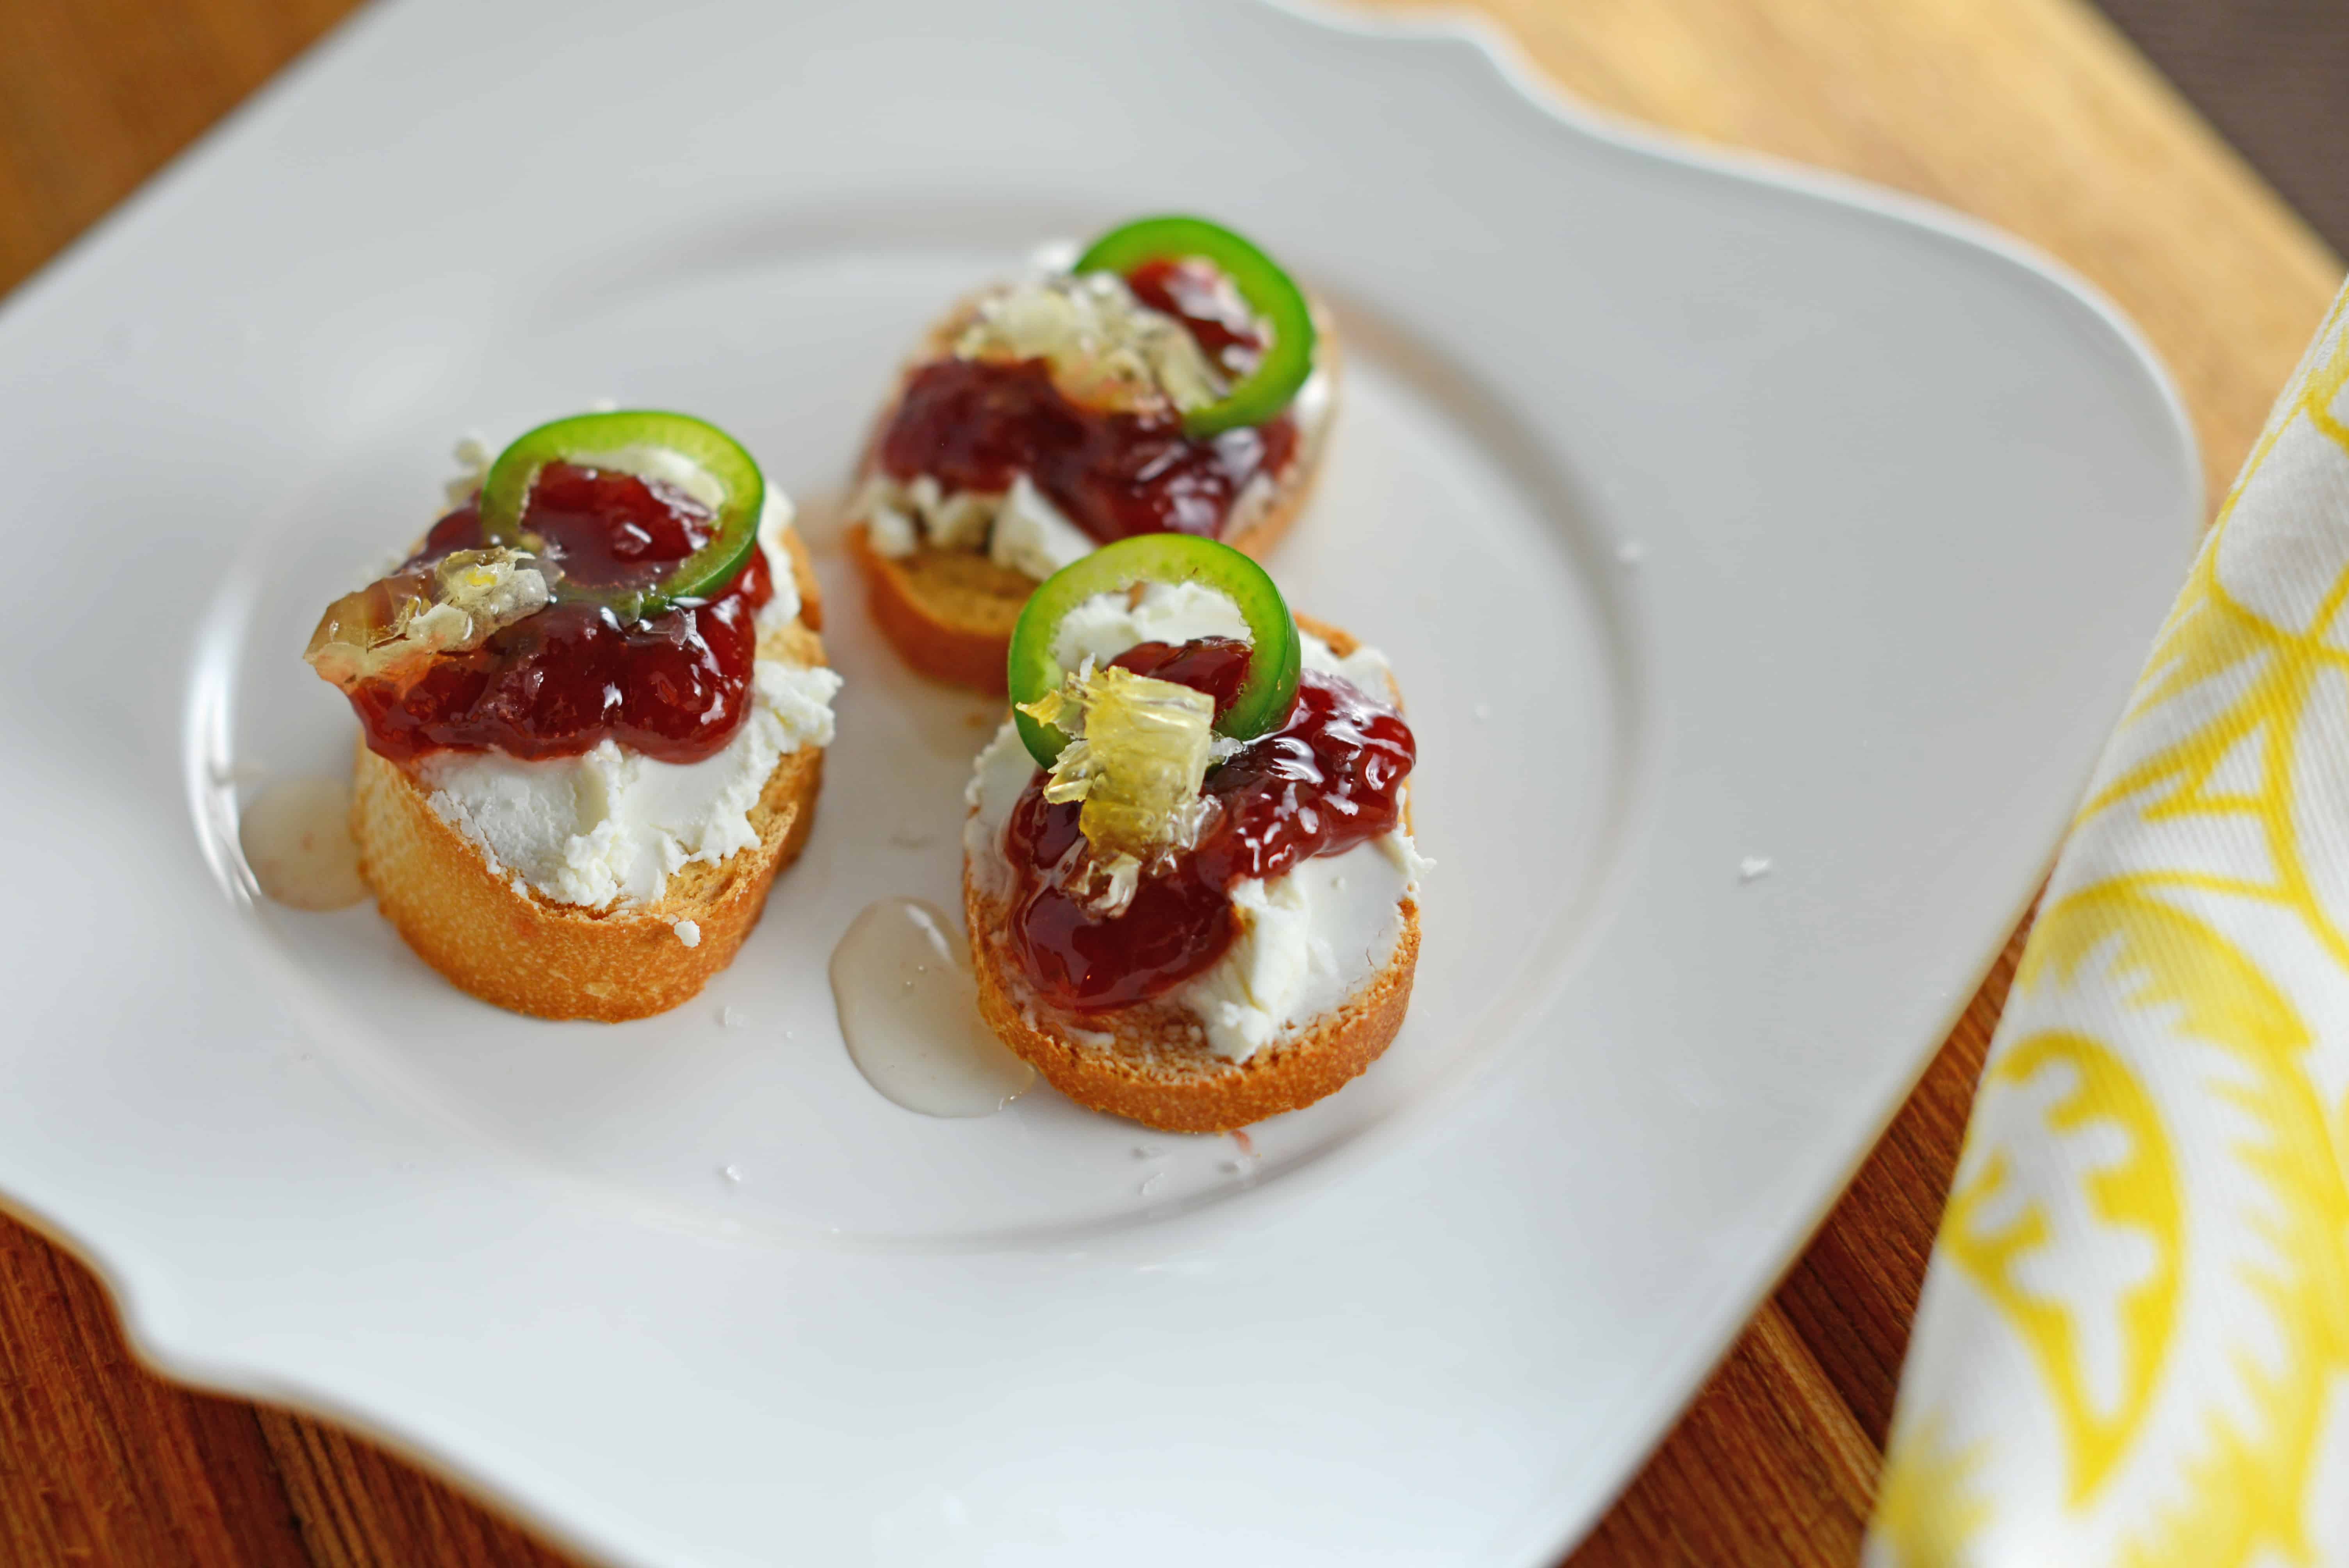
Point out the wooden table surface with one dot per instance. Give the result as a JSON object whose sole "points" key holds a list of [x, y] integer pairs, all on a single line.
{"points": [[2033, 114]]}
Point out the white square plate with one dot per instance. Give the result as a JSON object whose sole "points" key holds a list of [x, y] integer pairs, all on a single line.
{"points": [[1711, 514]]}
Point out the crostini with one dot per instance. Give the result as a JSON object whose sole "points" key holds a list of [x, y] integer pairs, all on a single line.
{"points": [[592, 706], [1188, 871], [1172, 379]]}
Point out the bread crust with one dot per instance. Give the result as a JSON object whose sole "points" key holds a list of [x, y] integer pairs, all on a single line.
{"points": [[1150, 1063], [950, 612], [1159, 1073], [494, 936]]}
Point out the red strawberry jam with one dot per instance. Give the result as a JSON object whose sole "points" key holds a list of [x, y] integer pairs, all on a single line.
{"points": [[1326, 780], [555, 684], [1194, 293], [975, 425]]}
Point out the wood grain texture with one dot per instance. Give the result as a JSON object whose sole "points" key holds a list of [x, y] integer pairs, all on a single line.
{"points": [[101, 1463], [2032, 114], [1704, 1500], [361, 1508], [2264, 72], [2035, 115]]}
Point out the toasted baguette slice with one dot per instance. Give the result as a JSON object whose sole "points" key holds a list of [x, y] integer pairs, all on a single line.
{"points": [[500, 939], [950, 612], [1150, 1063]]}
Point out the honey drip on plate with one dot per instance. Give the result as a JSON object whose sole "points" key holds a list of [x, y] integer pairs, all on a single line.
{"points": [[296, 836], [909, 1011]]}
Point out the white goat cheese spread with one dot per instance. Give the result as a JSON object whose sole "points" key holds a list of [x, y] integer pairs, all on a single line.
{"points": [[1309, 939], [1020, 528], [609, 826]]}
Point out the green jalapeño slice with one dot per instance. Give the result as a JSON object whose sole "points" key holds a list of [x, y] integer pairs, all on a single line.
{"points": [[1274, 653], [1275, 298], [696, 456]]}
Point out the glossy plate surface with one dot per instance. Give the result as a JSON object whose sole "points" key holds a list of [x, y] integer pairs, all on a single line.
{"points": [[1763, 559]]}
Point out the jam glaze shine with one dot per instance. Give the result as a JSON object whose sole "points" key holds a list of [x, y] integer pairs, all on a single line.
{"points": [[674, 686], [1329, 778], [975, 425]]}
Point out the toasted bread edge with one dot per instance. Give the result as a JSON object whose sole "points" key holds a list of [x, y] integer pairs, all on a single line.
{"points": [[1208, 1094], [953, 624], [496, 938]]}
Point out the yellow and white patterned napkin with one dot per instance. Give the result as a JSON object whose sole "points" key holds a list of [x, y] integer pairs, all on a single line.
{"points": [[2134, 1343]]}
